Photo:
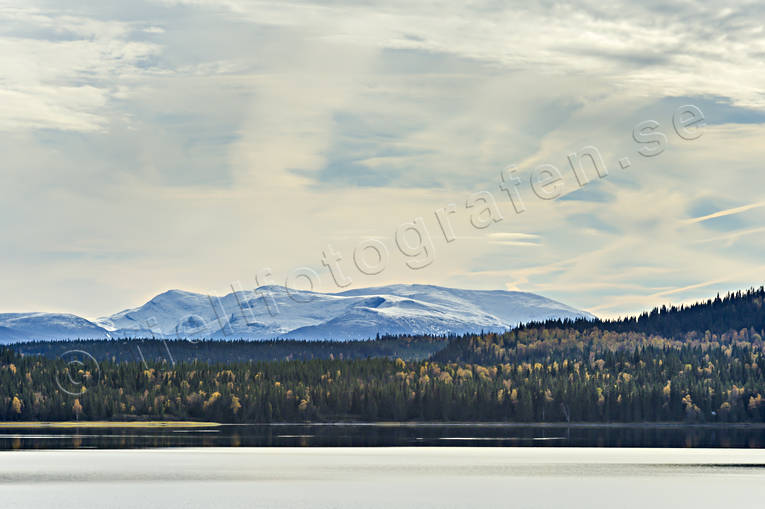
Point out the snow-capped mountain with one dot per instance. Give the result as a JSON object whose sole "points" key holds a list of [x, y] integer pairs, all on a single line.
{"points": [[277, 312]]}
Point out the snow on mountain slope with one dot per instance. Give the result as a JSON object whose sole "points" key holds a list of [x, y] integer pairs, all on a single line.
{"points": [[274, 311], [277, 312], [509, 307], [20, 326]]}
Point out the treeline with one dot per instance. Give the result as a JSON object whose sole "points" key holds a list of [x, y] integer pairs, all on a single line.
{"points": [[547, 344], [735, 311], [606, 380], [140, 350]]}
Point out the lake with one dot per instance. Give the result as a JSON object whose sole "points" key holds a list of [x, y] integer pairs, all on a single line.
{"points": [[398, 477], [383, 465]]}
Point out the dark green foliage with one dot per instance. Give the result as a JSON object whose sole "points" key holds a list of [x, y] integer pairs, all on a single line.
{"points": [[119, 350]]}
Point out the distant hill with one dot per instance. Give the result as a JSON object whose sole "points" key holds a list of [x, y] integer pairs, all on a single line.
{"points": [[46, 326]]}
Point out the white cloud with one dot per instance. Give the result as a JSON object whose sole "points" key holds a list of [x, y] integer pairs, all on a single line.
{"points": [[60, 70], [641, 46], [194, 149]]}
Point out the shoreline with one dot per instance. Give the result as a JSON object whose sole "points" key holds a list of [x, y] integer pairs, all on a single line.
{"points": [[551, 425], [108, 424]]}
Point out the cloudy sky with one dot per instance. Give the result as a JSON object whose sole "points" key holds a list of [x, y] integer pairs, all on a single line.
{"points": [[193, 144]]}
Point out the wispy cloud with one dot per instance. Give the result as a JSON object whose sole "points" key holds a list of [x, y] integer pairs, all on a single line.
{"points": [[730, 238], [514, 239], [512, 236], [727, 212], [61, 71]]}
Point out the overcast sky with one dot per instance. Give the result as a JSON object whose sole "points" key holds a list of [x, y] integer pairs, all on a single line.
{"points": [[191, 144]]}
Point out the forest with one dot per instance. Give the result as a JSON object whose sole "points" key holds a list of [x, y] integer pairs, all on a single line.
{"points": [[618, 371], [183, 350]]}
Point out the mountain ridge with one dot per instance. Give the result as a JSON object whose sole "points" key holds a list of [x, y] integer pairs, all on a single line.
{"points": [[272, 312]]}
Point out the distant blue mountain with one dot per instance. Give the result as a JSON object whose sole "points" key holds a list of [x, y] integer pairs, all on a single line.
{"points": [[50, 326]]}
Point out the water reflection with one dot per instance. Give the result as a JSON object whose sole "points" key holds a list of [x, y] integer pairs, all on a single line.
{"points": [[383, 435]]}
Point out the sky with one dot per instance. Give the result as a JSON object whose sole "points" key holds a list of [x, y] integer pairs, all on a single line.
{"points": [[192, 144]]}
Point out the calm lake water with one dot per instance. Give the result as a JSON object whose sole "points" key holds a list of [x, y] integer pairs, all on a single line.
{"points": [[386, 435], [425, 477]]}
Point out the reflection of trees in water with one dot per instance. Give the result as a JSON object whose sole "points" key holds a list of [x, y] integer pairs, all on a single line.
{"points": [[389, 435]]}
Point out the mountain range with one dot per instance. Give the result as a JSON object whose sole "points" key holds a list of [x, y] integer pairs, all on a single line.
{"points": [[272, 312]]}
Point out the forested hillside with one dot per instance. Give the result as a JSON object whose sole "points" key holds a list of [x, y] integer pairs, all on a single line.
{"points": [[605, 380], [735, 311]]}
